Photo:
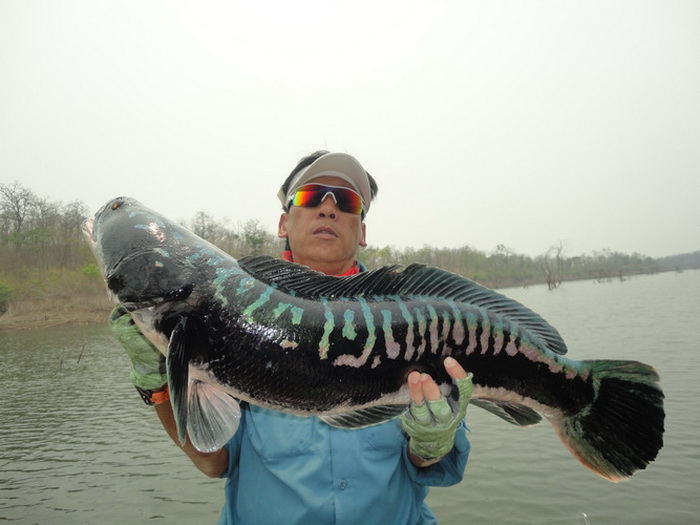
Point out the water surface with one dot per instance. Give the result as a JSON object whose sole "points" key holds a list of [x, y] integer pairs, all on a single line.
{"points": [[78, 446]]}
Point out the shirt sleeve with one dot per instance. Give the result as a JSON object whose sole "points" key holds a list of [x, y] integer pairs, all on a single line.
{"points": [[446, 472]]}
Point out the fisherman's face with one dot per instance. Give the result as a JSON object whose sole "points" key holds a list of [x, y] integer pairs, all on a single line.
{"points": [[323, 238]]}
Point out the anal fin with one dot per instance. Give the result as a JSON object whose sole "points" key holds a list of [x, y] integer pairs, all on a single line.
{"points": [[364, 417], [514, 413]]}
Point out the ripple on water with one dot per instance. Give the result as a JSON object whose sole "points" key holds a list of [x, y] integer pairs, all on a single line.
{"points": [[78, 446]]}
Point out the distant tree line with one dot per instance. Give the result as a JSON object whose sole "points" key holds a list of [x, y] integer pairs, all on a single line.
{"points": [[249, 238], [680, 262], [41, 247], [38, 233], [504, 268]]}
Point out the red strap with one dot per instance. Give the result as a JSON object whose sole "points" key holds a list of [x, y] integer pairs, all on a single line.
{"points": [[161, 397]]}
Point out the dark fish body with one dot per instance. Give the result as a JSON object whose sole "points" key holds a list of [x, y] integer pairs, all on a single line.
{"points": [[285, 337]]}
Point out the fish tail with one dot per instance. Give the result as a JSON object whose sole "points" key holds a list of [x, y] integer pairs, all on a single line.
{"points": [[621, 431]]}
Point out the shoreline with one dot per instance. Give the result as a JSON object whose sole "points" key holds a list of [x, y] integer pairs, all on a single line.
{"points": [[27, 319]]}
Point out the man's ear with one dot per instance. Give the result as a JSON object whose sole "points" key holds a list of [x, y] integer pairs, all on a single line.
{"points": [[363, 235], [282, 227]]}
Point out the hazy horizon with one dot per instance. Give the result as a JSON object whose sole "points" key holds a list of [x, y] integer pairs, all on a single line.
{"points": [[485, 124]]}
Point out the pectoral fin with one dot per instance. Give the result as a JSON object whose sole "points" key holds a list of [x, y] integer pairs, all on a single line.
{"points": [[209, 415], [177, 364], [213, 416]]}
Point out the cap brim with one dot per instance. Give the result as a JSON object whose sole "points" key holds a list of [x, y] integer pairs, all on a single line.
{"points": [[339, 165]]}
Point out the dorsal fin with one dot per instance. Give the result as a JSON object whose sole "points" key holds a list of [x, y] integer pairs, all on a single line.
{"points": [[305, 282], [416, 280]]}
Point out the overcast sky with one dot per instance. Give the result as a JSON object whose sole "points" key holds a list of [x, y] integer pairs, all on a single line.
{"points": [[517, 123]]}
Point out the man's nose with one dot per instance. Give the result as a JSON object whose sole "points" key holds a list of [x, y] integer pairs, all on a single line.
{"points": [[328, 205]]}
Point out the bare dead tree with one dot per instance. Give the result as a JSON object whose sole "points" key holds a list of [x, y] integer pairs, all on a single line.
{"points": [[16, 203], [553, 265]]}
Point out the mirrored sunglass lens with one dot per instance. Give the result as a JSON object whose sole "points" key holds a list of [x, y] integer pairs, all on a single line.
{"points": [[307, 198], [311, 196], [348, 201]]}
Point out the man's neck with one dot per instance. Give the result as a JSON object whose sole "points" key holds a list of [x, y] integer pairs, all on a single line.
{"points": [[328, 268]]}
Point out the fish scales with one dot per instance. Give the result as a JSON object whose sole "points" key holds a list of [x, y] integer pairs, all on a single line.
{"points": [[344, 359], [284, 337]]}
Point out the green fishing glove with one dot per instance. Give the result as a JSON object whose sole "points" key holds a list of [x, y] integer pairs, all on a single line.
{"points": [[432, 425], [147, 363]]}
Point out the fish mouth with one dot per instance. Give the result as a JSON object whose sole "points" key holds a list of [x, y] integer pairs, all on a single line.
{"points": [[137, 298], [88, 227], [156, 304], [159, 303]]}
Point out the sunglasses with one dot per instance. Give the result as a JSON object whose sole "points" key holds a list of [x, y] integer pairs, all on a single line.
{"points": [[311, 195]]}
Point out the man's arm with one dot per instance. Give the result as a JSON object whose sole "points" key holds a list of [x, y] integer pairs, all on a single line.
{"points": [[148, 375], [213, 464]]}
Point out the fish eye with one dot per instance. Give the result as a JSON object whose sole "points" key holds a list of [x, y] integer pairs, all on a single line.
{"points": [[117, 204]]}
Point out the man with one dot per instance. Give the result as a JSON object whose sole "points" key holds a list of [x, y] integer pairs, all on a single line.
{"points": [[287, 469]]}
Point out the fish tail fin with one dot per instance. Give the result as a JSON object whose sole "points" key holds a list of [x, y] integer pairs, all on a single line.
{"points": [[622, 430]]}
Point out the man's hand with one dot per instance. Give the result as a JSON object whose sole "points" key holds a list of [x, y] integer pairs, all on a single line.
{"points": [[147, 363], [432, 420]]}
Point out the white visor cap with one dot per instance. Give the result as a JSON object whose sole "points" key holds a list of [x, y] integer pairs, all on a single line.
{"points": [[339, 165]]}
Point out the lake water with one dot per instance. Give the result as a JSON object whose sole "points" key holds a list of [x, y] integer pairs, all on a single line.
{"points": [[78, 446]]}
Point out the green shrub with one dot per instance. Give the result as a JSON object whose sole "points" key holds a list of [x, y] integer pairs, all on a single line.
{"points": [[6, 294], [91, 270]]}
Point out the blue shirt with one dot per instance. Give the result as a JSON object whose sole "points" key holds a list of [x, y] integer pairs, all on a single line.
{"points": [[289, 469]]}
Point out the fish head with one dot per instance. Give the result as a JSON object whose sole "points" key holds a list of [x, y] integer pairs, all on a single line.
{"points": [[145, 258]]}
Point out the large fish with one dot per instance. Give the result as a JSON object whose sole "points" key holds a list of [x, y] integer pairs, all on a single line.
{"points": [[285, 337]]}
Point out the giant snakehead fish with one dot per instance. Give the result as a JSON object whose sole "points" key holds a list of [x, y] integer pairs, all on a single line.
{"points": [[281, 336]]}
